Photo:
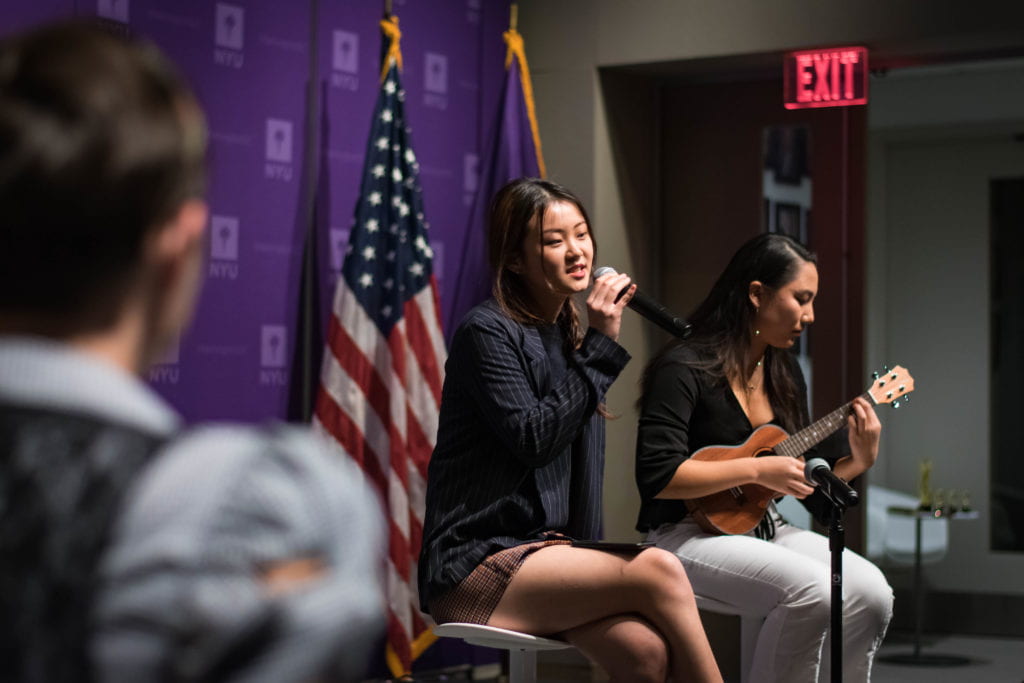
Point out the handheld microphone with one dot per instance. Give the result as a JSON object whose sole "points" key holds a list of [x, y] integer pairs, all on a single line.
{"points": [[649, 308], [835, 489]]}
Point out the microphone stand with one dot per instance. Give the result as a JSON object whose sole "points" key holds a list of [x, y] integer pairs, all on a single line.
{"points": [[841, 497], [836, 544]]}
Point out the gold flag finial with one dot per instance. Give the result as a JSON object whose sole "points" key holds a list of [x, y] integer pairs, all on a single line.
{"points": [[389, 25]]}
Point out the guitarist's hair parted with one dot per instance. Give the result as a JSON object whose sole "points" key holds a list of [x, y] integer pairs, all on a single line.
{"points": [[722, 322]]}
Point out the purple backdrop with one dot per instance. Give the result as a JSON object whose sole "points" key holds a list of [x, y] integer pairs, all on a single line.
{"points": [[249, 63]]}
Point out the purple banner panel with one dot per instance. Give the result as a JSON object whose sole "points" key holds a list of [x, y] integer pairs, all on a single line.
{"points": [[17, 15], [249, 63]]}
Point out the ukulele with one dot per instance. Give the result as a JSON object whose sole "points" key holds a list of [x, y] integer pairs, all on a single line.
{"points": [[739, 509]]}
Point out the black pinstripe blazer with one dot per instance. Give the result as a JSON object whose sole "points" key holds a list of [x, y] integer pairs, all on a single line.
{"points": [[508, 439]]}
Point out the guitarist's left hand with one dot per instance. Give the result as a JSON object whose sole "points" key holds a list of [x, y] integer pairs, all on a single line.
{"points": [[865, 431]]}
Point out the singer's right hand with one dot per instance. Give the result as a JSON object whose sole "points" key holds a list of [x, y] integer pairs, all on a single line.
{"points": [[783, 474], [604, 311]]}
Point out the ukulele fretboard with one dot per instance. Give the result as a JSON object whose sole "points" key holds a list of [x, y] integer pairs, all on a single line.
{"points": [[813, 434]]}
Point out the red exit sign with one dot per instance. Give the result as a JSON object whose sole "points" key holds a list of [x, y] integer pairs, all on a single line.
{"points": [[833, 77]]}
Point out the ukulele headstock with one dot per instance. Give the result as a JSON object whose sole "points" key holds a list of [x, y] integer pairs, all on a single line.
{"points": [[891, 386]]}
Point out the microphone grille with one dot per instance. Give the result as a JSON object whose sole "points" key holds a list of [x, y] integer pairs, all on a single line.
{"points": [[815, 464], [605, 270]]}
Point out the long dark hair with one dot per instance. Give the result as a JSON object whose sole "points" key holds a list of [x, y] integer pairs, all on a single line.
{"points": [[513, 210], [723, 321]]}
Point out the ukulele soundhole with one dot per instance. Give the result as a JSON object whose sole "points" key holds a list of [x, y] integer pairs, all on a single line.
{"points": [[737, 492]]}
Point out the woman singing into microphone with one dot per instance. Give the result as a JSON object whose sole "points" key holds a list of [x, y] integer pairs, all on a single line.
{"points": [[517, 470], [731, 376]]}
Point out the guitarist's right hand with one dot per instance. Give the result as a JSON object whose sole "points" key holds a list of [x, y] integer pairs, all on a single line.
{"points": [[783, 474]]}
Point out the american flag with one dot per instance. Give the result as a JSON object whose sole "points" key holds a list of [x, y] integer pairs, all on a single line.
{"points": [[380, 384]]}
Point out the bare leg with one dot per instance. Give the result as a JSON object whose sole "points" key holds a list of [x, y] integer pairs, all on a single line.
{"points": [[560, 588], [625, 646]]}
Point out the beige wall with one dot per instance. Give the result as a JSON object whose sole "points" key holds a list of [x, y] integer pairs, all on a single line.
{"points": [[567, 42], [588, 33], [937, 136]]}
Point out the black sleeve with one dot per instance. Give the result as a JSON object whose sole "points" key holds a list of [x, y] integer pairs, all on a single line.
{"points": [[663, 434], [536, 430]]}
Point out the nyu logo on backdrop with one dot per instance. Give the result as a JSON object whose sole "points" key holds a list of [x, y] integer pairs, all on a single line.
{"points": [[435, 81], [273, 355], [167, 370], [279, 150], [116, 10], [223, 247], [345, 61], [229, 35], [470, 177]]}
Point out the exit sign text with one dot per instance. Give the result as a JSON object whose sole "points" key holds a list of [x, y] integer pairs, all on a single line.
{"points": [[833, 77]]}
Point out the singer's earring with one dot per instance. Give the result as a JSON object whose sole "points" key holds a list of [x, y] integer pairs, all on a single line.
{"points": [[757, 332]]}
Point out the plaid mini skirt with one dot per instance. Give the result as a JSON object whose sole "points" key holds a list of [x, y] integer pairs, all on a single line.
{"points": [[475, 597]]}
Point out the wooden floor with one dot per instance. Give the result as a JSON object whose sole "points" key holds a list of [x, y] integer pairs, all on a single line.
{"points": [[993, 660]]}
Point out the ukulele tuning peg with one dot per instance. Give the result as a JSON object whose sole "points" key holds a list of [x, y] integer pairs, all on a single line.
{"points": [[895, 404], [906, 399], [885, 368], [874, 375], [889, 395]]}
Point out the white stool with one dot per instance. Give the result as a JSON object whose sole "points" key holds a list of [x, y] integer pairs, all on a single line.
{"points": [[522, 648], [750, 628]]}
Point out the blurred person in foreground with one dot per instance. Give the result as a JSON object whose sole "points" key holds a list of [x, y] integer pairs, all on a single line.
{"points": [[132, 549]]}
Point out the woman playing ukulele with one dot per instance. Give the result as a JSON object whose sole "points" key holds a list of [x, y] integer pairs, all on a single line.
{"points": [[731, 376]]}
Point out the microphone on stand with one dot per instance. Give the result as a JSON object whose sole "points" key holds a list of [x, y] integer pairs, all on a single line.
{"points": [[649, 308], [835, 489]]}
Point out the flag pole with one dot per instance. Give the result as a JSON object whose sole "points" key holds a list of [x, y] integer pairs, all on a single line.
{"points": [[309, 339], [517, 51]]}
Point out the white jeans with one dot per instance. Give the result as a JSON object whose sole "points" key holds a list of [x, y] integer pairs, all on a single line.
{"points": [[788, 582]]}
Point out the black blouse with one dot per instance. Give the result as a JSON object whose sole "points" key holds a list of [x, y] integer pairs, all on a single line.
{"points": [[685, 409]]}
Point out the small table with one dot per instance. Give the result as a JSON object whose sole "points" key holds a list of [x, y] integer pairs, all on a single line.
{"points": [[917, 658]]}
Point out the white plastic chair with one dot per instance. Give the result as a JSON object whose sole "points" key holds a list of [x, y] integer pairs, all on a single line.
{"points": [[750, 628], [522, 647]]}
